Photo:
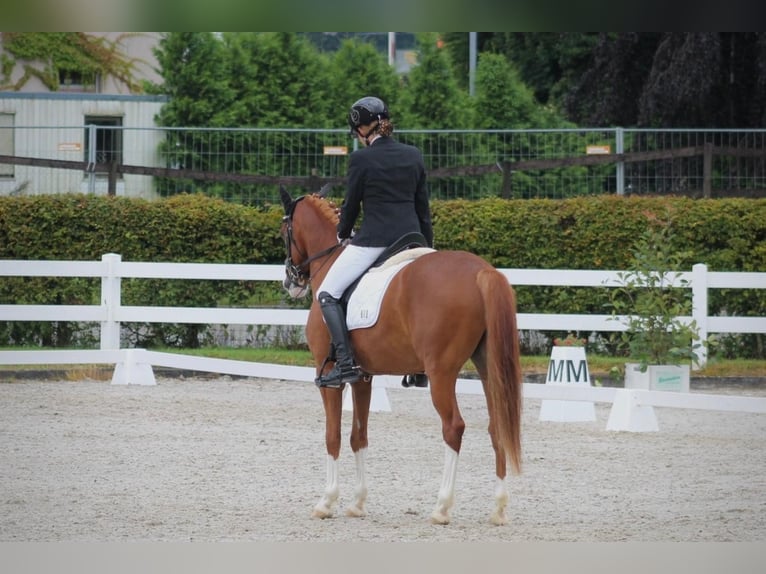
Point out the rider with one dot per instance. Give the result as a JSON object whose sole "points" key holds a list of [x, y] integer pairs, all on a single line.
{"points": [[388, 179]]}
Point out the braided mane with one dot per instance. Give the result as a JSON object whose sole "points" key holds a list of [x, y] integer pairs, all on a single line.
{"points": [[325, 207]]}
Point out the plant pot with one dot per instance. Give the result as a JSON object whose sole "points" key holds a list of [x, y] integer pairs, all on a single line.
{"points": [[657, 377]]}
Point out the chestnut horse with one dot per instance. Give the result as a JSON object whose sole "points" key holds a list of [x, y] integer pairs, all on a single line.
{"points": [[439, 311]]}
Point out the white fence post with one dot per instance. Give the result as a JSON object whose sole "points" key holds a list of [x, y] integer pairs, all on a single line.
{"points": [[111, 300], [699, 311]]}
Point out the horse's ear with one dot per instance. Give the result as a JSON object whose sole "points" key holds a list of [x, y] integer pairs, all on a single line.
{"points": [[325, 190], [287, 200]]}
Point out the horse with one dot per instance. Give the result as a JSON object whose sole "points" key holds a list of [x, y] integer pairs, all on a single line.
{"points": [[439, 311]]}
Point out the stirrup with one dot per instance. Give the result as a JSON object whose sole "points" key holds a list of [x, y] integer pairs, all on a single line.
{"points": [[337, 377]]}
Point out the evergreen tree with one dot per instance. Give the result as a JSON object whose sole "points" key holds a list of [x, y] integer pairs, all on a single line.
{"points": [[195, 70], [432, 99], [502, 100], [431, 95], [281, 80]]}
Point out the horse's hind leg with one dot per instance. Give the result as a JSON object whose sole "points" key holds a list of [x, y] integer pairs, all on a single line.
{"points": [[498, 515], [445, 402], [333, 404], [361, 393]]}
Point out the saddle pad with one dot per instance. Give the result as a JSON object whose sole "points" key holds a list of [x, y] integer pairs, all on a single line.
{"points": [[364, 305]]}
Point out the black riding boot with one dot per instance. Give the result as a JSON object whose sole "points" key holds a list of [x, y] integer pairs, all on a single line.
{"points": [[344, 370]]}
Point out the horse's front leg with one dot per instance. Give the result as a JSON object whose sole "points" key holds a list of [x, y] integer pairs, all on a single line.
{"points": [[332, 399], [361, 393]]}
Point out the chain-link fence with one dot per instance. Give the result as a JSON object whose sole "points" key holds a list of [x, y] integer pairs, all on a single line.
{"points": [[248, 165]]}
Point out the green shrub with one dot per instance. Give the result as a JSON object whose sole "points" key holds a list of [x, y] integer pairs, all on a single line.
{"points": [[596, 232]]}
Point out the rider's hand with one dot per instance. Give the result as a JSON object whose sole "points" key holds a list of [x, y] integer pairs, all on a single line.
{"points": [[345, 240]]}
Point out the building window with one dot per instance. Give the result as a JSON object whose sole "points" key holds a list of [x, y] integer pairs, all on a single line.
{"points": [[74, 81], [108, 138], [6, 144]]}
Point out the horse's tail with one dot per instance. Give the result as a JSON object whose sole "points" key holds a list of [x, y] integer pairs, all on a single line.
{"points": [[504, 384]]}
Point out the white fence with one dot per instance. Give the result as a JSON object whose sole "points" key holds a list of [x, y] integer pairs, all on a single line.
{"points": [[110, 313], [134, 365]]}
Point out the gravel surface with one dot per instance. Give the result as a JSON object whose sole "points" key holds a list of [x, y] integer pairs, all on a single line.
{"points": [[221, 459]]}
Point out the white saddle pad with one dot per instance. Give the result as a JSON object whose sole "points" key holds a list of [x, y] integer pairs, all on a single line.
{"points": [[364, 305]]}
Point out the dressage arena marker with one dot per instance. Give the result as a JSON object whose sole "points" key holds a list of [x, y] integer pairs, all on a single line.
{"points": [[567, 366], [632, 409]]}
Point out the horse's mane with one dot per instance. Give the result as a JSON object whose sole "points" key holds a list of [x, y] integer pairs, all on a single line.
{"points": [[325, 207]]}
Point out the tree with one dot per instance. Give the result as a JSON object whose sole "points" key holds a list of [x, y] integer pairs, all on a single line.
{"points": [[673, 79], [681, 87], [281, 80], [502, 100], [195, 69], [705, 79], [605, 94], [431, 94]]}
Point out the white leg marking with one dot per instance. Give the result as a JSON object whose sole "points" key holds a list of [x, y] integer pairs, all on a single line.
{"points": [[440, 515], [360, 492], [323, 509], [501, 501]]}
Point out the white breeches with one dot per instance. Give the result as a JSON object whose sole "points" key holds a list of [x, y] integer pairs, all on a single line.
{"points": [[348, 267]]}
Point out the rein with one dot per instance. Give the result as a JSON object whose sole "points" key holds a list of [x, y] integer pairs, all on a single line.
{"points": [[300, 274]]}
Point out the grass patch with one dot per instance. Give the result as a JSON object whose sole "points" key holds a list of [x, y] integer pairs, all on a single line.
{"points": [[529, 363], [597, 364]]}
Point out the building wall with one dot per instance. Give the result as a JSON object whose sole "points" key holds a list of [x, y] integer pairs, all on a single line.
{"points": [[135, 46], [52, 126]]}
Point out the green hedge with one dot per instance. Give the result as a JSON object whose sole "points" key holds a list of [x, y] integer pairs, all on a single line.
{"points": [[600, 233], [180, 229], [581, 233]]}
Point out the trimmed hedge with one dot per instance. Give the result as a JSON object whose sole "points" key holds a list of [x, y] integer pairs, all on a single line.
{"points": [[581, 233], [184, 228]]}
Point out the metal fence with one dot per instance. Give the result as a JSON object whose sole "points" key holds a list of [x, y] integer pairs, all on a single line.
{"points": [[244, 165]]}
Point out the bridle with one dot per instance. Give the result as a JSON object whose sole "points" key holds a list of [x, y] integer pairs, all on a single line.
{"points": [[299, 274]]}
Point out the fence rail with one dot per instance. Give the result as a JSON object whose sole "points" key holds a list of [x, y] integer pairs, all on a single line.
{"points": [[111, 313], [245, 165]]}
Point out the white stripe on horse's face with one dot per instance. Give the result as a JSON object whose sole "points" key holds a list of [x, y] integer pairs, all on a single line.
{"points": [[297, 291], [294, 290]]}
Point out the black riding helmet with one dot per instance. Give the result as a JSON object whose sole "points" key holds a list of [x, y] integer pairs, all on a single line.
{"points": [[365, 111]]}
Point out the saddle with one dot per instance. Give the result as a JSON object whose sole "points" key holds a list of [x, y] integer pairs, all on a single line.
{"points": [[405, 242]]}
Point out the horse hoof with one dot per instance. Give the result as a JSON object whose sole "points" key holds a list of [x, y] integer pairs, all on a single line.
{"points": [[498, 519], [321, 512], [355, 512], [439, 518]]}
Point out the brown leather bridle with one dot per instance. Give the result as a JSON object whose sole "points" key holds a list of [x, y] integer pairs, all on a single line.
{"points": [[299, 274]]}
